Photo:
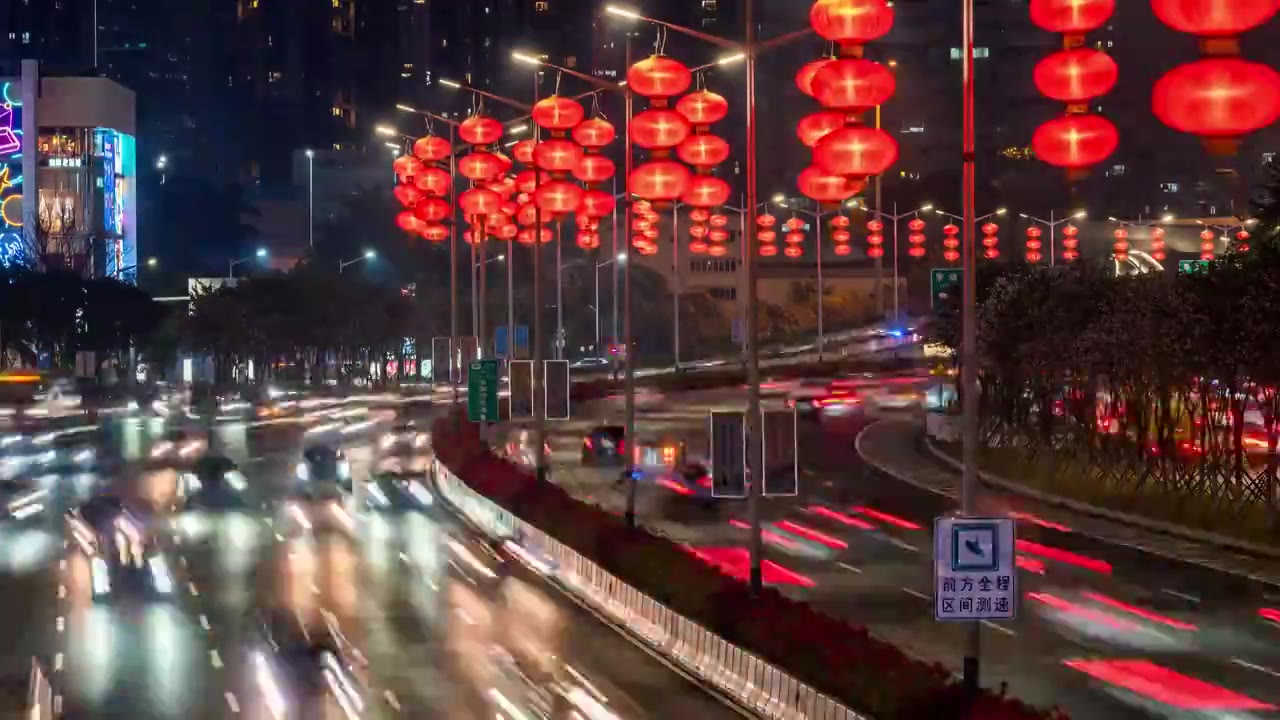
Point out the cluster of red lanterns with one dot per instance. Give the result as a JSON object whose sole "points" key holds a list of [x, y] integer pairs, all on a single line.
{"points": [[1157, 244], [1208, 244], [766, 235], [1121, 245], [644, 222], [916, 238], [950, 243], [486, 169], [990, 241], [845, 150], [840, 235], [1242, 241], [1033, 244], [704, 151], [1220, 97], [560, 156], [423, 188], [794, 237], [1074, 75], [1070, 243], [875, 239]]}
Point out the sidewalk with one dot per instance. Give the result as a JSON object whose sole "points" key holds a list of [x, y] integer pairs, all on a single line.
{"points": [[898, 449]]}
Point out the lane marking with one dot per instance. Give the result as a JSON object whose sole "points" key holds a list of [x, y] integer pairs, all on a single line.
{"points": [[915, 593], [204, 621], [215, 659], [62, 564], [57, 662], [899, 543], [62, 592], [999, 628], [60, 623], [392, 700], [57, 705], [849, 567], [1184, 596], [192, 587], [231, 701], [1251, 666]]}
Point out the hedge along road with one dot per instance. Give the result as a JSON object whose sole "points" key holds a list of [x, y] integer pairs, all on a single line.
{"points": [[1103, 630]]}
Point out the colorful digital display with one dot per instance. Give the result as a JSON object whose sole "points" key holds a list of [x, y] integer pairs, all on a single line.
{"points": [[11, 242]]}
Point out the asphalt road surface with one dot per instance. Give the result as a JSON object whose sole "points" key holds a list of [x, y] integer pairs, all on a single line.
{"points": [[423, 638], [1103, 630]]}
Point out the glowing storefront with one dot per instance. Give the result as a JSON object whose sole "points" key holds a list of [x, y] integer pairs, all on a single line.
{"points": [[68, 174]]}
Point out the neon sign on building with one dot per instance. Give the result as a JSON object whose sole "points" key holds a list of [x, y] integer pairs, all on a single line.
{"points": [[11, 243]]}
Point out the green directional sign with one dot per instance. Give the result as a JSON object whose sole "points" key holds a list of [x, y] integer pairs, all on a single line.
{"points": [[482, 391], [943, 283], [1193, 267]]}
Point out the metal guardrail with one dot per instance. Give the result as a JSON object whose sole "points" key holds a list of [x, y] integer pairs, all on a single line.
{"points": [[39, 694], [752, 682]]}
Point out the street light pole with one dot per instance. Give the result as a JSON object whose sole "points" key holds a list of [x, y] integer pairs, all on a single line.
{"points": [[311, 192], [1052, 223], [895, 218], [817, 216], [559, 292], [969, 335], [675, 281]]}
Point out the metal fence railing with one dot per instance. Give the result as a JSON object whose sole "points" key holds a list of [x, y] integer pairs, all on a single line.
{"points": [[754, 683]]}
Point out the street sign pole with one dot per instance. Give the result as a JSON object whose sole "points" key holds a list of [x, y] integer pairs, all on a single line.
{"points": [[943, 284], [727, 432]]}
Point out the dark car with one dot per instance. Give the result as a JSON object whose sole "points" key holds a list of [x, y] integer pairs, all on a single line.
{"points": [[397, 492], [604, 446], [324, 464], [122, 556], [308, 673]]}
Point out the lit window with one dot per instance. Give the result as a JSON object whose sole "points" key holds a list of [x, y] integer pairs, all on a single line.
{"points": [[541, 6], [1117, 170], [978, 53], [1170, 187], [1268, 157]]}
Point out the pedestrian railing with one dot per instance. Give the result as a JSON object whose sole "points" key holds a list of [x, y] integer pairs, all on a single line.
{"points": [[39, 694], [750, 681]]}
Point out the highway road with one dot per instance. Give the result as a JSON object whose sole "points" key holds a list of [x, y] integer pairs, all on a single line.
{"points": [[1103, 631], [424, 637]]}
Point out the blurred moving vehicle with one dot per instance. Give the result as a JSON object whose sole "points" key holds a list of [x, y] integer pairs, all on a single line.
{"points": [[590, 363], [397, 492], [323, 465], [482, 561], [307, 673], [604, 446], [804, 396], [404, 436], [894, 397], [179, 446], [123, 558], [35, 393], [24, 501]]}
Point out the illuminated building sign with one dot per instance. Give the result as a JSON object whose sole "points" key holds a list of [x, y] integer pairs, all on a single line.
{"points": [[11, 242]]}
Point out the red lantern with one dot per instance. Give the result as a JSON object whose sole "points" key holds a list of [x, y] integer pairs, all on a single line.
{"points": [[768, 250], [1074, 76], [875, 251], [1075, 141], [526, 236], [527, 180], [766, 220], [820, 186], [853, 84], [843, 250], [840, 221], [950, 255], [698, 247], [556, 155], [434, 232], [651, 233], [793, 251], [1071, 17], [557, 114], [503, 185], [875, 239], [432, 210], [431, 148], [480, 130], [479, 166], [698, 231], [916, 251], [851, 22], [594, 168], [409, 222], [719, 221], [527, 215], [588, 240], [718, 235], [406, 167], [594, 133], [990, 229], [432, 181], [641, 224], [706, 191], [857, 151], [804, 78], [408, 195], [916, 238], [659, 76], [841, 237], [523, 151], [703, 107], [875, 226], [659, 180], [1034, 232], [813, 128], [766, 236], [916, 225], [717, 251], [1214, 18], [558, 197], [699, 215], [703, 150], [659, 129], [793, 224], [1218, 98], [795, 237], [479, 201], [991, 253], [507, 231]]}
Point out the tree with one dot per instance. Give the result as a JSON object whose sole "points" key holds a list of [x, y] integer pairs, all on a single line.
{"points": [[1266, 200]]}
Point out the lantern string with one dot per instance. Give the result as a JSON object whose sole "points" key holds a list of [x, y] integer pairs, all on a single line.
{"points": [[559, 75], [700, 81]]}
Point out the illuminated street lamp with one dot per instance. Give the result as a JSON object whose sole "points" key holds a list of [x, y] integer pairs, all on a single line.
{"points": [[368, 255], [259, 254]]}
